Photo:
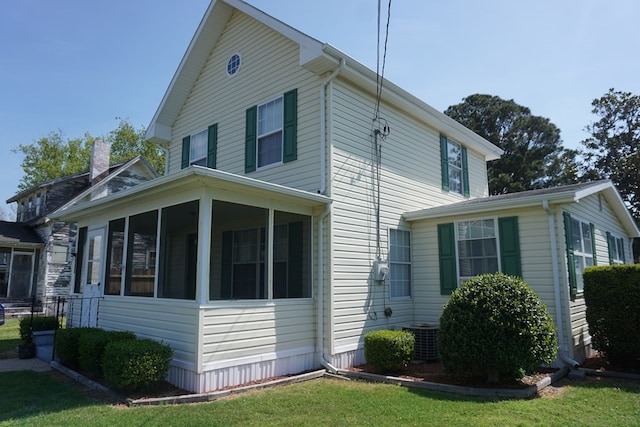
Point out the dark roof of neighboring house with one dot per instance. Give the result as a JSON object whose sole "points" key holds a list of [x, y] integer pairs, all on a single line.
{"points": [[52, 182], [13, 234]]}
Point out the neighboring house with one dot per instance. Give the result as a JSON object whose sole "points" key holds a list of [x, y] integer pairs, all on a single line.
{"points": [[291, 222], [36, 252]]}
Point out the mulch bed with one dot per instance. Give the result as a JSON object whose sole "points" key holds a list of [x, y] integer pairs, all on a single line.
{"points": [[434, 372]]}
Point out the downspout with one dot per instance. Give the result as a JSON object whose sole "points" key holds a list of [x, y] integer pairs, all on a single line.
{"points": [[323, 129], [166, 160], [327, 211], [320, 316], [556, 287]]}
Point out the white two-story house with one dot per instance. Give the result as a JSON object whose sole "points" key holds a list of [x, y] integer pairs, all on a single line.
{"points": [[294, 218]]}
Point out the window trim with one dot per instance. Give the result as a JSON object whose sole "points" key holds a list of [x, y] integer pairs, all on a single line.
{"points": [[269, 133], [496, 237]]}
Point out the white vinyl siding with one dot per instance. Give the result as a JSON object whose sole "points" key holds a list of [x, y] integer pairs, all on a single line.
{"points": [[270, 68], [410, 180]]}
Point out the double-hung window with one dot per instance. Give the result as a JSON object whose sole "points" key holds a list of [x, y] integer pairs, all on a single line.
{"points": [[581, 250], [471, 247], [455, 173], [270, 132], [616, 249], [200, 148], [477, 247], [399, 263]]}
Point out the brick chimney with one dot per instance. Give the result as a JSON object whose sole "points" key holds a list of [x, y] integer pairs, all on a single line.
{"points": [[100, 156]]}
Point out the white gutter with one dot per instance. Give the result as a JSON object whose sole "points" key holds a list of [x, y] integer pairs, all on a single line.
{"points": [[323, 130], [556, 287], [320, 306]]}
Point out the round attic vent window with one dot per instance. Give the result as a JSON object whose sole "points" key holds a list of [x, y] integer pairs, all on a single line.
{"points": [[234, 64]]}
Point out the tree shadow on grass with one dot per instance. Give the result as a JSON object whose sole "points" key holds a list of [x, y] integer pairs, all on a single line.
{"points": [[24, 394]]}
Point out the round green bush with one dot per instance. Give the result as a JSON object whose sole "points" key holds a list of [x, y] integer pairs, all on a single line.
{"points": [[495, 325], [137, 364], [388, 351]]}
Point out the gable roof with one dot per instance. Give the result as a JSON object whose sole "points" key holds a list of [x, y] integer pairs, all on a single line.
{"points": [[115, 170], [315, 56], [534, 198], [103, 182], [16, 235]]}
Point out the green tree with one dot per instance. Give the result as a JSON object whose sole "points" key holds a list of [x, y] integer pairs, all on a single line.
{"points": [[52, 156], [533, 153], [612, 150], [128, 142]]}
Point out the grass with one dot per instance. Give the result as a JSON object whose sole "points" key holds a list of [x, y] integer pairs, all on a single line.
{"points": [[9, 337], [44, 399], [29, 398]]}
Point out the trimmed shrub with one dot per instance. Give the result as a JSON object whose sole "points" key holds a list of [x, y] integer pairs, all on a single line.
{"points": [[42, 323], [388, 351], [134, 365], [66, 346], [495, 325], [612, 296], [91, 345]]}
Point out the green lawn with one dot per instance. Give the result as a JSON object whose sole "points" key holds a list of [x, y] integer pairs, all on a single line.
{"points": [[41, 399], [35, 399], [9, 337]]}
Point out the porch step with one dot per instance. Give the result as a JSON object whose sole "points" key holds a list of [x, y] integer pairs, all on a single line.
{"points": [[16, 310]]}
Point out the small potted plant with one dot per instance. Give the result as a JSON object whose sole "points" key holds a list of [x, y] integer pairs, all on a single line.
{"points": [[37, 335]]}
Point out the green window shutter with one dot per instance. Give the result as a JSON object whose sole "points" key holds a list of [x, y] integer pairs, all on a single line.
{"points": [[186, 146], [447, 258], [227, 265], [510, 246], [465, 172], [250, 140], [593, 243], [290, 126], [444, 162], [611, 245], [212, 146], [294, 279], [571, 263]]}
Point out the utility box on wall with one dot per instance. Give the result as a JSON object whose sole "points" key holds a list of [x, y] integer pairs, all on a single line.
{"points": [[380, 270]]}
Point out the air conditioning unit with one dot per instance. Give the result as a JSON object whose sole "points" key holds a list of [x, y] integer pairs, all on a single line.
{"points": [[426, 347]]}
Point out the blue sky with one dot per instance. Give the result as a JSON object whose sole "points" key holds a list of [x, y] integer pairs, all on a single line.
{"points": [[76, 65]]}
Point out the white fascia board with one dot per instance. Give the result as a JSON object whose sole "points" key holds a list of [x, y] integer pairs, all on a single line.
{"points": [[487, 206], [187, 178]]}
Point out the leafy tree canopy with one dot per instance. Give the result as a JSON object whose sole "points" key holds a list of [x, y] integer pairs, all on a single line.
{"points": [[533, 153], [613, 149], [52, 156]]}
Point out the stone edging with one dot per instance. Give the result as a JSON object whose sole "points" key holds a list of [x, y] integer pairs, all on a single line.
{"points": [[185, 398], [523, 393]]}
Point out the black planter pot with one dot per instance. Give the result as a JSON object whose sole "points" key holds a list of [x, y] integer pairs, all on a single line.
{"points": [[26, 351]]}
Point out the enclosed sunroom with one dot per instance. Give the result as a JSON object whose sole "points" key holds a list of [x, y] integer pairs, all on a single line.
{"points": [[220, 267]]}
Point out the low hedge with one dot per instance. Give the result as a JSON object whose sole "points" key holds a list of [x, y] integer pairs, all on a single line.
{"points": [[134, 365], [388, 351], [91, 345], [66, 346], [612, 297]]}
